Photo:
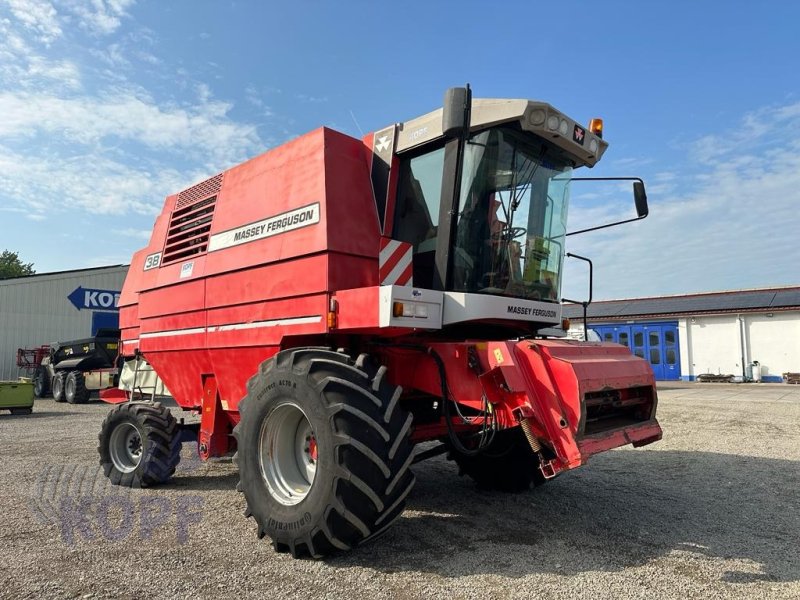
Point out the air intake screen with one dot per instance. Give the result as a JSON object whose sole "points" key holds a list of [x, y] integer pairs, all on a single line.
{"points": [[190, 223]]}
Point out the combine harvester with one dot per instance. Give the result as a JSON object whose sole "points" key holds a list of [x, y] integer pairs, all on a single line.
{"points": [[331, 304]]}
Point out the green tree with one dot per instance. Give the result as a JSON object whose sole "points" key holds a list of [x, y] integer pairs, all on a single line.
{"points": [[12, 266]]}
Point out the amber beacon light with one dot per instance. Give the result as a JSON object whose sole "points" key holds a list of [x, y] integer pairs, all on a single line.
{"points": [[596, 127]]}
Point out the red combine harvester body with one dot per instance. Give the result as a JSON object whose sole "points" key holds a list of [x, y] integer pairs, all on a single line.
{"points": [[330, 304]]}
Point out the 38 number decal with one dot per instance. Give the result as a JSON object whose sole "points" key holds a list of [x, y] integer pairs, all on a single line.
{"points": [[152, 261]]}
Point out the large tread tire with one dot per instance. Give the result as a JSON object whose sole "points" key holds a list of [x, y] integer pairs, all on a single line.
{"points": [[41, 382], [508, 465], [161, 444], [75, 391], [58, 386], [363, 474]]}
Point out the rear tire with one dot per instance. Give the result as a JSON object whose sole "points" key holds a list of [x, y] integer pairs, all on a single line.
{"points": [[41, 382], [508, 465], [21, 411], [75, 391], [58, 386], [140, 444], [341, 475]]}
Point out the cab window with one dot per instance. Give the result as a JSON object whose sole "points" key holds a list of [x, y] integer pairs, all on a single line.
{"points": [[417, 213]]}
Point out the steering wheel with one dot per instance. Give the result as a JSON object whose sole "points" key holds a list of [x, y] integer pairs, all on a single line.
{"points": [[509, 232]]}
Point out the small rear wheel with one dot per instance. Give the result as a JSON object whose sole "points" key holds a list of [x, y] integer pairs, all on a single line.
{"points": [[41, 382], [58, 386], [75, 391], [139, 444]]}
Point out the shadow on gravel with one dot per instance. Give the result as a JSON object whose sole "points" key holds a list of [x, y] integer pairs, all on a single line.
{"points": [[626, 508], [201, 482], [38, 415]]}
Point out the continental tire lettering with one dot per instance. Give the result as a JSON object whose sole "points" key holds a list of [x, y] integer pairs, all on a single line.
{"points": [[292, 525], [275, 225]]}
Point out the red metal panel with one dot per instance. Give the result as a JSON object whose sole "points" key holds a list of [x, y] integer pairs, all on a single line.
{"points": [[180, 321], [187, 296], [346, 271], [182, 372], [129, 316], [358, 308], [352, 219], [237, 367], [273, 281]]}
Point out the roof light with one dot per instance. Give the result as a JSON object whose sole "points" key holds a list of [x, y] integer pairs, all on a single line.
{"points": [[596, 127]]}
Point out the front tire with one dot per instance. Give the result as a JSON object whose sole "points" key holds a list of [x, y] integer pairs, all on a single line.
{"points": [[75, 391], [58, 386], [140, 444], [324, 451], [507, 465]]}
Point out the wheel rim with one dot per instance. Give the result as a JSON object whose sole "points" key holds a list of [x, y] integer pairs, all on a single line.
{"points": [[125, 447], [288, 454], [58, 387], [69, 387]]}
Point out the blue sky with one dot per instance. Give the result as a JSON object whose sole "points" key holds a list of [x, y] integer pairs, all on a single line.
{"points": [[107, 106]]}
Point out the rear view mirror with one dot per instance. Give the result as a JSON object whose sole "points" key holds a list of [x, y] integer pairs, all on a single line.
{"points": [[455, 111], [639, 199]]}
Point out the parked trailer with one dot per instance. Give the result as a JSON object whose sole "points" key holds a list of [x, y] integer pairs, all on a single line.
{"points": [[331, 304], [72, 370]]}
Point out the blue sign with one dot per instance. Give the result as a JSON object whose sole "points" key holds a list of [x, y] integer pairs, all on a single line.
{"points": [[94, 299]]}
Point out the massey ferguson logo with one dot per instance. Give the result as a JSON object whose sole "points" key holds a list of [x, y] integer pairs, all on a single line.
{"points": [[528, 310], [578, 134]]}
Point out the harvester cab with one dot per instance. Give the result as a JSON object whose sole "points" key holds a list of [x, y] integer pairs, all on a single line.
{"points": [[473, 202], [331, 304]]}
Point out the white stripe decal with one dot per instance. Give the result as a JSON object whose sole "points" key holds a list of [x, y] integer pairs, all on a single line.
{"points": [[156, 334], [233, 327], [401, 266], [388, 251], [258, 324]]}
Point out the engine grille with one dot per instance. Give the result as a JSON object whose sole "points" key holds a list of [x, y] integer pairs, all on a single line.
{"points": [[190, 223], [202, 190]]}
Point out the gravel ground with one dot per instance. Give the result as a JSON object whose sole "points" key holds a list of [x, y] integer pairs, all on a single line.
{"points": [[712, 511]]}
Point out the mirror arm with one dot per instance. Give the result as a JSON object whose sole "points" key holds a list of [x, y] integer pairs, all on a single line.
{"points": [[607, 225], [639, 218]]}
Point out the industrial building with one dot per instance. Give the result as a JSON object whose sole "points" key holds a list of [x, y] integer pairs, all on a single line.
{"points": [[53, 307], [719, 333], [681, 336]]}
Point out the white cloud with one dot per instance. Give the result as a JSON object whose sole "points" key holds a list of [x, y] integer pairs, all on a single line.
{"points": [[37, 16], [142, 234], [313, 99], [94, 183], [726, 220], [204, 129], [101, 17], [23, 67]]}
